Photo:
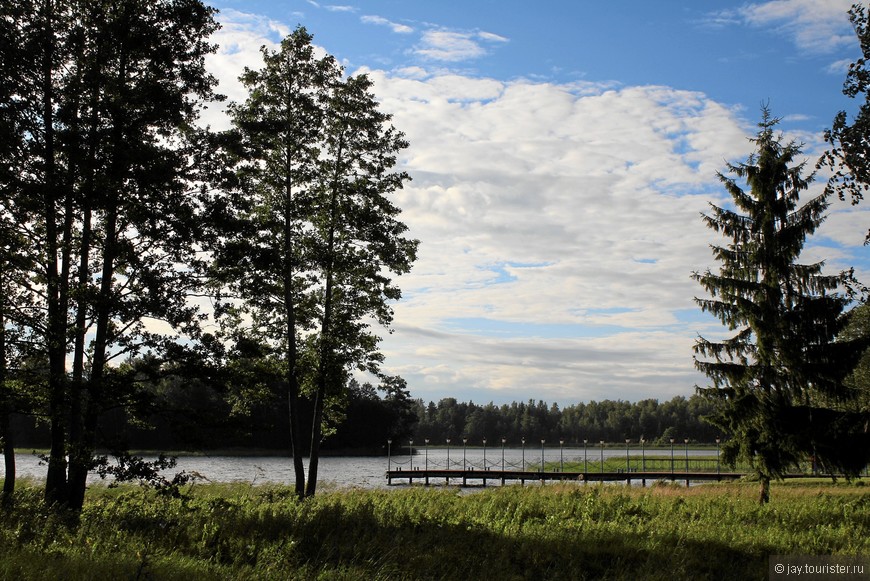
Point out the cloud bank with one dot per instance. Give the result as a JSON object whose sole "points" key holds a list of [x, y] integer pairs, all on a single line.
{"points": [[559, 225]]}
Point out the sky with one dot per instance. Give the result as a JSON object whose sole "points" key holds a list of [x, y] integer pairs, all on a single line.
{"points": [[561, 155]]}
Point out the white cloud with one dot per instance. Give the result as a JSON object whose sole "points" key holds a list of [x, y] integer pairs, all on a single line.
{"points": [[381, 21], [559, 226], [491, 37], [540, 205], [443, 45], [840, 67], [453, 46], [239, 40], [816, 26]]}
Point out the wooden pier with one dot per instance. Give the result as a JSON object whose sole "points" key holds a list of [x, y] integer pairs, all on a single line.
{"points": [[502, 476]]}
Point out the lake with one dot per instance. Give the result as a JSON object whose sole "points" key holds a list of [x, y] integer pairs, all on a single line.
{"points": [[368, 471]]}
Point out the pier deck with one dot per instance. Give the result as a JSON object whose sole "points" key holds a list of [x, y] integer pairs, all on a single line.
{"points": [[502, 476]]}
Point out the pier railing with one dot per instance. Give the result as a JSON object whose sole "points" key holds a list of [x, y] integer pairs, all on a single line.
{"points": [[629, 463]]}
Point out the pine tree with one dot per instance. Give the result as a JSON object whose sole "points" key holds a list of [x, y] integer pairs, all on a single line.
{"points": [[779, 372]]}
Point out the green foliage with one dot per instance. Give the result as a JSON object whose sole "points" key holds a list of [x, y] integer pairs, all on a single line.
{"points": [[608, 420], [850, 139], [549, 532], [856, 329]]}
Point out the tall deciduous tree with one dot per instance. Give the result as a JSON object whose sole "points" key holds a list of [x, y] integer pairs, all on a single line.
{"points": [[105, 93], [780, 370], [316, 237], [358, 240], [264, 260]]}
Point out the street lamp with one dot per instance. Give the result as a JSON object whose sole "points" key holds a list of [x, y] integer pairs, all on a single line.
{"points": [[524, 454], [627, 440], [502, 455], [672, 455], [484, 453], [426, 441], [717, 456], [389, 445], [561, 457], [585, 457], [687, 454], [411, 452], [542, 455], [448, 453], [602, 456], [642, 455], [464, 442]]}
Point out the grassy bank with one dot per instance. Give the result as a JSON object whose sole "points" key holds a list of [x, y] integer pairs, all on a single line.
{"points": [[533, 532]]}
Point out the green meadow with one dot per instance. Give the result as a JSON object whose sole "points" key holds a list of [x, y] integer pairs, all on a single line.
{"points": [[570, 531]]}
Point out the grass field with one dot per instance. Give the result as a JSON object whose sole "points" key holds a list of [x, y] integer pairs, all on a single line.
{"points": [[575, 531]]}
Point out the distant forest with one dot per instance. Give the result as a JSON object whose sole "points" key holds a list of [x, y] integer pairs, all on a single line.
{"points": [[608, 420], [201, 422]]}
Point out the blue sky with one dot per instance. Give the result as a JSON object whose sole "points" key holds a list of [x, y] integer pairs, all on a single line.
{"points": [[561, 153]]}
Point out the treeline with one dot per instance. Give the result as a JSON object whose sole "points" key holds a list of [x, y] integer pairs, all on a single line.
{"points": [[197, 417], [608, 420], [200, 416]]}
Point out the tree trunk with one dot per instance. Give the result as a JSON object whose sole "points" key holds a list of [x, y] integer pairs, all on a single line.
{"points": [[55, 481], [320, 397], [326, 347], [84, 447], [8, 457], [5, 411], [764, 496], [84, 275], [292, 354], [117, 147], [5, 408]]}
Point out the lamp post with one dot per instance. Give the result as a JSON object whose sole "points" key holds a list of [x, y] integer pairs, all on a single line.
{"points": [[448, 453], [411, 452], [687, 454], [602, 456], [464, 445], [561, 457], [627, 440], [524, 454], [502, 455], [389, 445], [642, 455], [672, 455], [426, 441], [484, 453], [717, 456], [542, 455], [585, 457]]}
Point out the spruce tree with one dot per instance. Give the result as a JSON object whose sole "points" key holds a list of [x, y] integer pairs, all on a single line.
{"points": [[779, 373]]}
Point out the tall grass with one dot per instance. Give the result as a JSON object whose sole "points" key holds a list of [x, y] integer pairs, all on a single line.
{"points": [[534, 532]]}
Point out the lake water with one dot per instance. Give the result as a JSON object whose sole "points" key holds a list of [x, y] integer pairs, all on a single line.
{"points": [[368, 471]]}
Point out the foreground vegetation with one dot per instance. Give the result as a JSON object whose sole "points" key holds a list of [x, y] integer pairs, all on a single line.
{"points": [[550, 532]]}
